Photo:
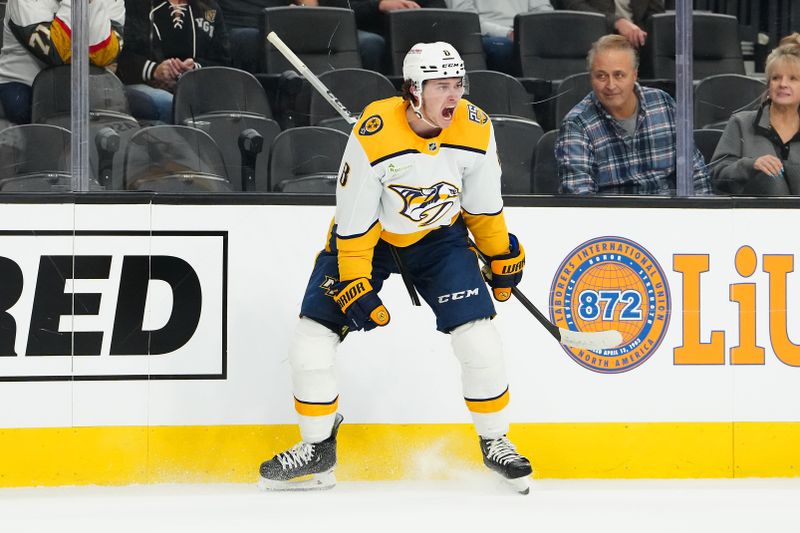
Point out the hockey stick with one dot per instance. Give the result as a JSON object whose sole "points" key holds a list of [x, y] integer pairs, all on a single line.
{"points": [[592, 340], [579, 339], [344, 112], [312, 79]]}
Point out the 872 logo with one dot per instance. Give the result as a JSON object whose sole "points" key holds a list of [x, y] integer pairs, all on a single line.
{"points": [[612, 283]]}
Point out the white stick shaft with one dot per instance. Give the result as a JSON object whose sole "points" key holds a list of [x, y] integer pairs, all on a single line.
{"points": [[312, 79]]}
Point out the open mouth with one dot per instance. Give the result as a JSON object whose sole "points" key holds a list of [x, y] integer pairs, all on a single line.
{"points": [[447, 112]]}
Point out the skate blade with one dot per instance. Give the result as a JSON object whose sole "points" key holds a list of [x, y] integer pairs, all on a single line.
{"points": [[520, 485], [321, 481]]}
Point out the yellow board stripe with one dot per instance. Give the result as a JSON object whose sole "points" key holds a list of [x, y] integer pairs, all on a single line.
{"points": [[231, 454], [490, 405], [316, 409]]}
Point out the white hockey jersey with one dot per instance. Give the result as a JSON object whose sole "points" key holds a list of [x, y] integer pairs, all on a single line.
{"points": [[397, 186], [37, 34]]}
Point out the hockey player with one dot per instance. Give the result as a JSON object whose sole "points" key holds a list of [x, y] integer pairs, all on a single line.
{"points": [[418, 172]]}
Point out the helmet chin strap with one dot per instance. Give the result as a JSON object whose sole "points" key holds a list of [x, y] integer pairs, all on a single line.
{"points": [[417, 109]]}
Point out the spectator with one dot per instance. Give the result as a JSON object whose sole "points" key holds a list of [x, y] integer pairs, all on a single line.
{"points": [[370, 23], [760, 149], [620, 139], [163, 43], [242, 20], [37, 34], [243, 15], [625, 17], [497, 26]]}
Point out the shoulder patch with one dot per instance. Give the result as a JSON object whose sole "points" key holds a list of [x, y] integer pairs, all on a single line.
{"points": [[476, 115], [371, 125]]}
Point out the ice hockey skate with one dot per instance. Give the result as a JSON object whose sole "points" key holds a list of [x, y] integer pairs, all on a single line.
{"points": [[501, 456], [305, 466]]}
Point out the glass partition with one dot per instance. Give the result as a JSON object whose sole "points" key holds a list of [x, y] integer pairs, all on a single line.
{"points": [[699, 63]]}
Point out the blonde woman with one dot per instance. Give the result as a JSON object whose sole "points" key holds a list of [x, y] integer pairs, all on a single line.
{"points": [[759, 152]]}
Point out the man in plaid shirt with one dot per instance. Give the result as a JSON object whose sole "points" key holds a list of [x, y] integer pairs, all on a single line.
{"points": [[620, 139]]}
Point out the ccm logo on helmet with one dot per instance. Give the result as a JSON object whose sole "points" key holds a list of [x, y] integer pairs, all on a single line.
{"points": [[101, 305]]}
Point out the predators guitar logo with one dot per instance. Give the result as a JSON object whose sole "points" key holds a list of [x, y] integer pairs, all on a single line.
{"points": [[426, 205]]}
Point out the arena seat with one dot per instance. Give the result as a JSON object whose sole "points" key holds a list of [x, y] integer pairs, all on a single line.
{"points": [[516, 144], [312, 184], [545, 170], [462, 29], [108, 108], [747, 13], [324, 38], [706, 140], [353, 87], [716, 46], [226, 103], [51, 97], [312, 153], [174, 159], [542, 49], [215, 89], [499, 94], [717, 97], [569, 92], [36, 158]]}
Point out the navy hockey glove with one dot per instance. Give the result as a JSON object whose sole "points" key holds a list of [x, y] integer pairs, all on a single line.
{"points": [[360, 303], [505, 271]]}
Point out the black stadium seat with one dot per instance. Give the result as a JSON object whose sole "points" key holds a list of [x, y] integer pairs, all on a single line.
{"points": [[545, 170], [716, 98], [716, 46], [51, 97], [174, 159], [36, 158], [324, 38], [706, 141], [499, 94], [311, 154], [516, 144], [569, 92], [462, 29], [108, 111], [214, 89], [230, 104], [355, 88], [552, 45]]}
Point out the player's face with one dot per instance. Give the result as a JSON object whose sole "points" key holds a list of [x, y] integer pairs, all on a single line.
{"points": [[784, 84], [439, 99], [613, 79]]}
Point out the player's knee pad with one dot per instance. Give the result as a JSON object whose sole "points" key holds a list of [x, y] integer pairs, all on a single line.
{"points": [[478, 348], [311, 356], [313, 346], [477, 344]]}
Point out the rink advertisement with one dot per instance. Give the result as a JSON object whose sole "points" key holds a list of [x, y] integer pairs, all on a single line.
{"points": [[149, 343], [89, 305]]}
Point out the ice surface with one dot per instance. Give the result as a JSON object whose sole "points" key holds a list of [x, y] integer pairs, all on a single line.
{"points": [[474, 503]]}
